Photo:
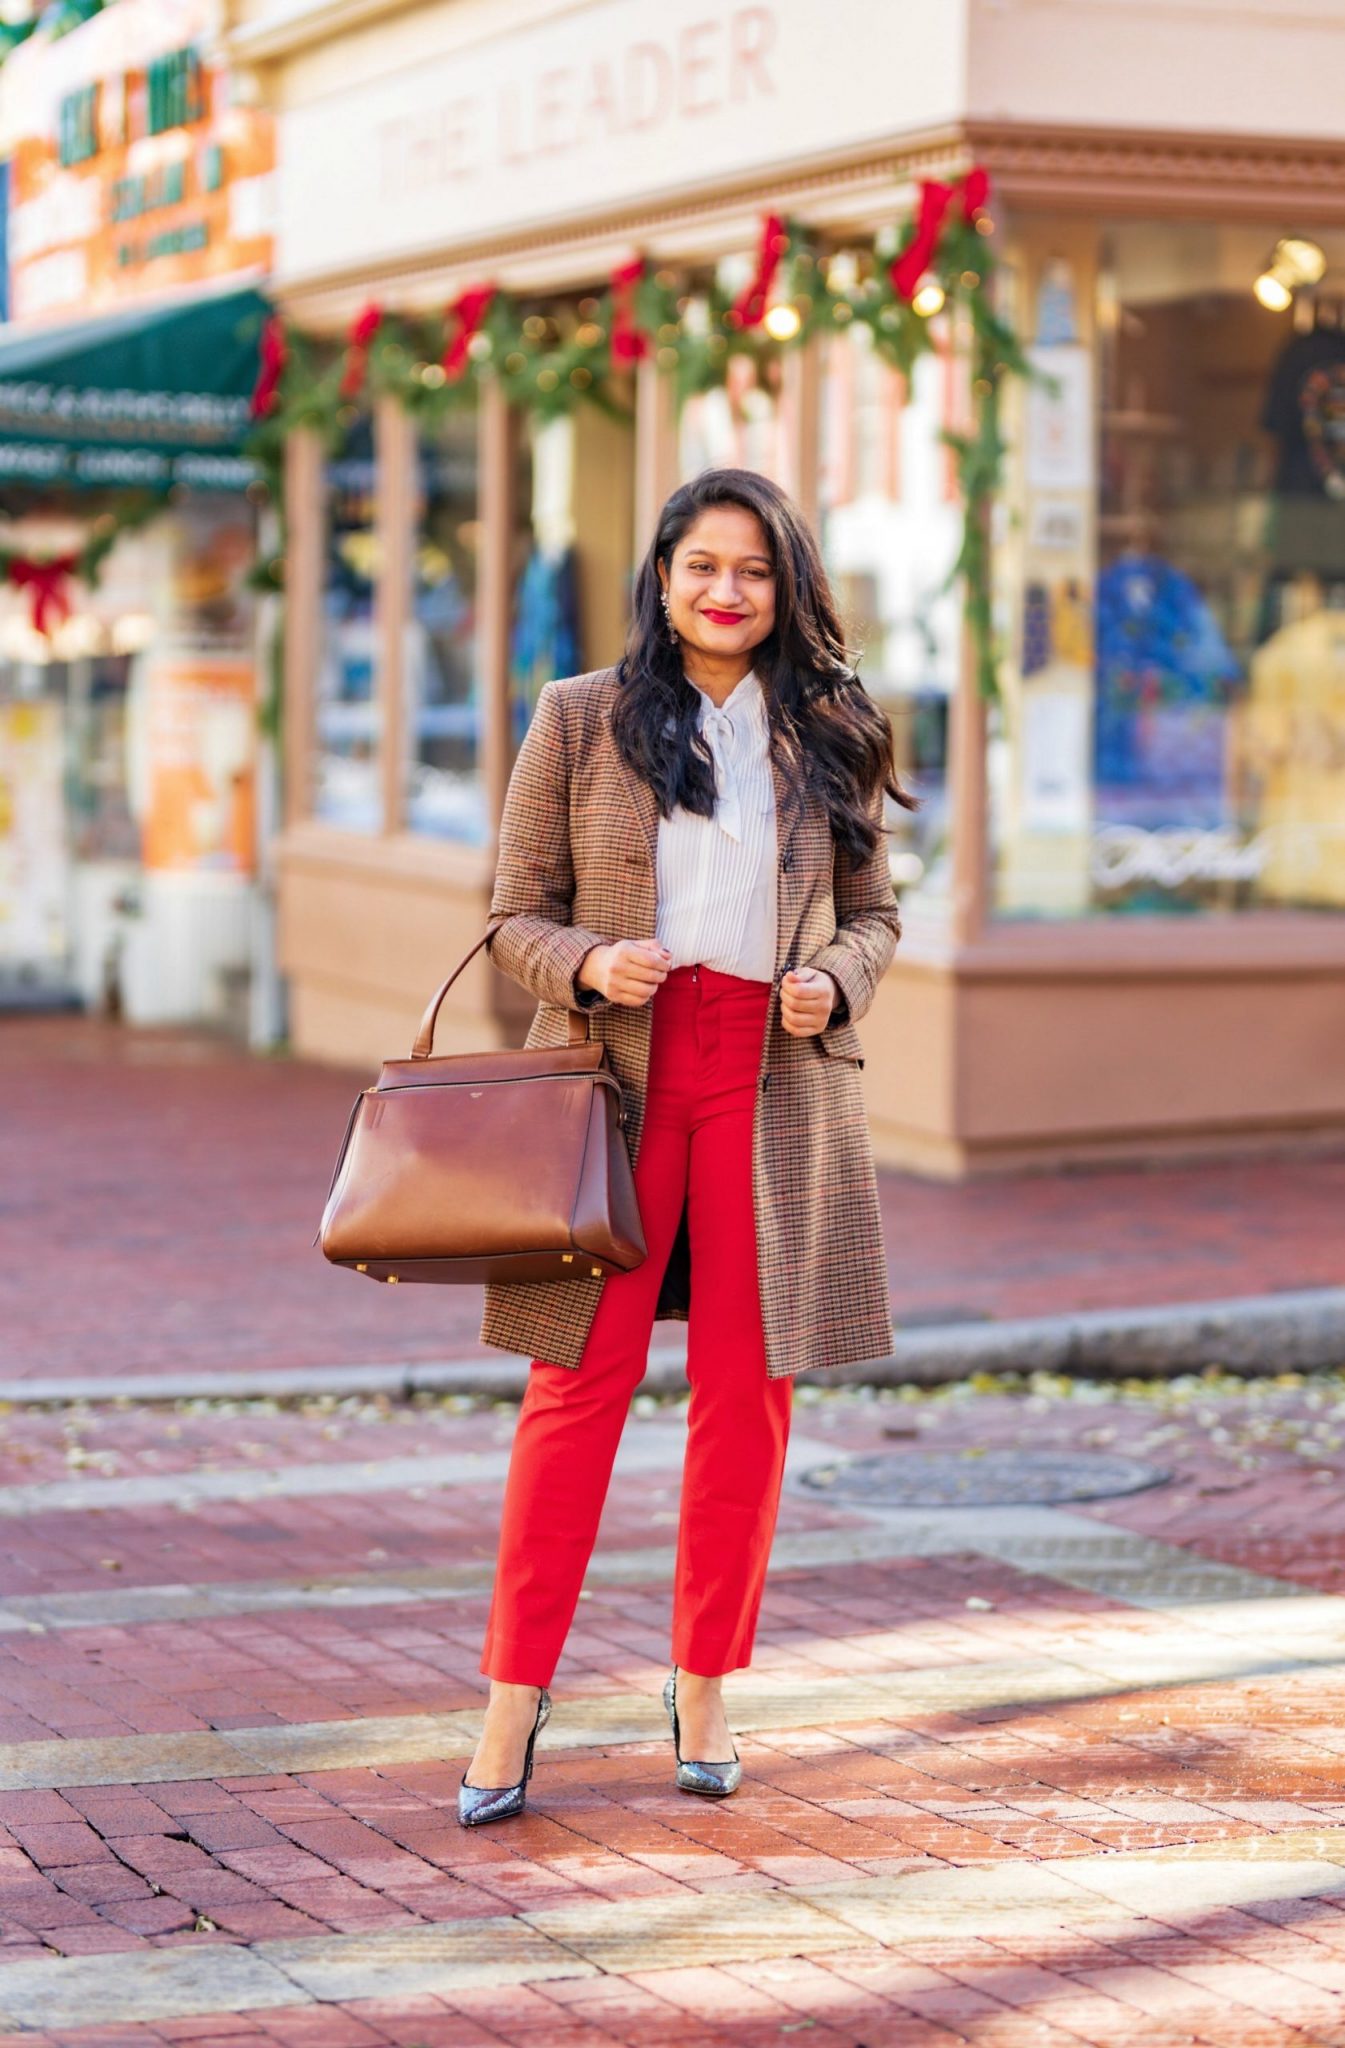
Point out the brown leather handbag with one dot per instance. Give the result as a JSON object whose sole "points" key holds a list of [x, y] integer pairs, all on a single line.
{"points": [[486, 1166]]}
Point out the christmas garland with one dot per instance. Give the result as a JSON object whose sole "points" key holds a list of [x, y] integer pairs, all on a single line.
{"points": [[549, 359], [46, 579]]}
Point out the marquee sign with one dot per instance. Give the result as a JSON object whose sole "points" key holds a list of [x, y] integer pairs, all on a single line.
{"points": [[137, 169]]}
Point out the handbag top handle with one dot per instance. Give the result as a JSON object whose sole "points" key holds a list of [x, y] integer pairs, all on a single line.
{"points": [[424, 1045]]}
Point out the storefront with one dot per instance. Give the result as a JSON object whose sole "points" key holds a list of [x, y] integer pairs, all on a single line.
{"points": [[1123, 889], [129, 685]]}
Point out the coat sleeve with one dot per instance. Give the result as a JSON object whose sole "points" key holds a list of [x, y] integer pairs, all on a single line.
{"points": [[531, 938], [868, 925]]}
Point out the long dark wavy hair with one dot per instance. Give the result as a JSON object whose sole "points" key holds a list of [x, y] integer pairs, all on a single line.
{"points": [[827, 733]]}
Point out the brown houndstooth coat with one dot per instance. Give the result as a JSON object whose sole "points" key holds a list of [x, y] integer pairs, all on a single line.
{"points": [[576, 869]]}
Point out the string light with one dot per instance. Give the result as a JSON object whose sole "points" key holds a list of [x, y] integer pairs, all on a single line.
{"points": [[1273, 293], [1307, 260], [1294, 262]]}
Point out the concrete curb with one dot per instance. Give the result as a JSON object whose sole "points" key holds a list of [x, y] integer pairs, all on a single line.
{"points": [[1256, 1336]]}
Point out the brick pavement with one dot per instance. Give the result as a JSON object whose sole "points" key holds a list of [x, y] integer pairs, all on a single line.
{"points": [[163, 1188], [987, 1800]]}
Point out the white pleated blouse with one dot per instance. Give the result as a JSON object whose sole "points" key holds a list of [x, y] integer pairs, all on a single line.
{"points": [[715, 877]]}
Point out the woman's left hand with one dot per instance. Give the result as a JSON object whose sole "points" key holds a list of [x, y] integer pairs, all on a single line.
{"points": [[807, 999]]}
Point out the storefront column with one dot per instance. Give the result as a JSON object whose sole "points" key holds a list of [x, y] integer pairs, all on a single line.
{"points": [[968, 725], [304, 517], [801, 397], [394, 517], [497, 466], [968, 810], [603, 500], [655, 449]]}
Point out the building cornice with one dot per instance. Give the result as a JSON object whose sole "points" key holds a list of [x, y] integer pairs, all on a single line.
{"points": [[1081, 170], [282, 32], [845, 193], [1162, 171]]}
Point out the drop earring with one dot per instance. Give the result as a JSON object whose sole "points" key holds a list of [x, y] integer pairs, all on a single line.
{"points": [[667, 613]]}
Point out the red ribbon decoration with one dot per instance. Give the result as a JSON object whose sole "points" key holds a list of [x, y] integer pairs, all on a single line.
{"points": [[630, 344], [935, 201], [45, 583], [975, 192], [274, 353], [749, 308], [469, 309], [363, 329]]}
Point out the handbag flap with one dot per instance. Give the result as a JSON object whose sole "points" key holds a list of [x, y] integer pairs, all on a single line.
{"points": [[454, 1172]]}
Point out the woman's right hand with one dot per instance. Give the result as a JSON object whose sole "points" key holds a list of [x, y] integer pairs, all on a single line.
{"points": [[629, 971]]}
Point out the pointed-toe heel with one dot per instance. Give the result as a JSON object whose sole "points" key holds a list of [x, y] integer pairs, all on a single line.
{"points": [[478, 1804], [712, 1781]]}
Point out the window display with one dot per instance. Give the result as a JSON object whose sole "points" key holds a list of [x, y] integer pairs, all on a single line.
{"points": [[740, 424], [34, 857], [444, 795], [347, 791], [1180, 583]]}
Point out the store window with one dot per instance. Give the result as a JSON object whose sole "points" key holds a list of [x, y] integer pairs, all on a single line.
{"points": [[546, 636], [444, 795], [890, 530], [1175, 732], [742, 423], [347, 787], [35, 863], [101, 824]]}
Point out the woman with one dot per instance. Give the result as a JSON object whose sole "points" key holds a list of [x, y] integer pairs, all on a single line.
{"points": [[692, 850]]}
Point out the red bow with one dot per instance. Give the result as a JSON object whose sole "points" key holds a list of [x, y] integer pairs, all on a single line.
{"points": [[469, 309], [935, 200], [629, 342], [749, 308], [975, 192], [363, 329], [46, 584], [273, 356]]}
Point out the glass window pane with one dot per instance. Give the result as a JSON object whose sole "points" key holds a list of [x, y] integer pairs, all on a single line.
{"points": [[740, 424], [544, 635], [1178, 743], [444, 795], [35, 853], [347, 789], [890, 532]]}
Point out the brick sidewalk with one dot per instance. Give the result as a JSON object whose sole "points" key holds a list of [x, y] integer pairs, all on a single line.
{"points": [[1012, 1775], [161, 1192]]}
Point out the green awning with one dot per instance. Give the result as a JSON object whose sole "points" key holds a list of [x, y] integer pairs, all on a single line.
{"points": [[147, 396]]}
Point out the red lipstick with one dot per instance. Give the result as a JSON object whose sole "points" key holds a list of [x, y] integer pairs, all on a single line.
{"points": [[723, 618]]}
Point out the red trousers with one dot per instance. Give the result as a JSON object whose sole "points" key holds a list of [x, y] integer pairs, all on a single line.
{"points": [[705, 1053]]}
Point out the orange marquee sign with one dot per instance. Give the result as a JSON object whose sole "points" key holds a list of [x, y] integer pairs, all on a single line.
{"points": [[136, 167]]}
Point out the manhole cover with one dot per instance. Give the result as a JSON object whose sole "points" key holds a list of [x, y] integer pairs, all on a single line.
{"points": [[953, 1479]]}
